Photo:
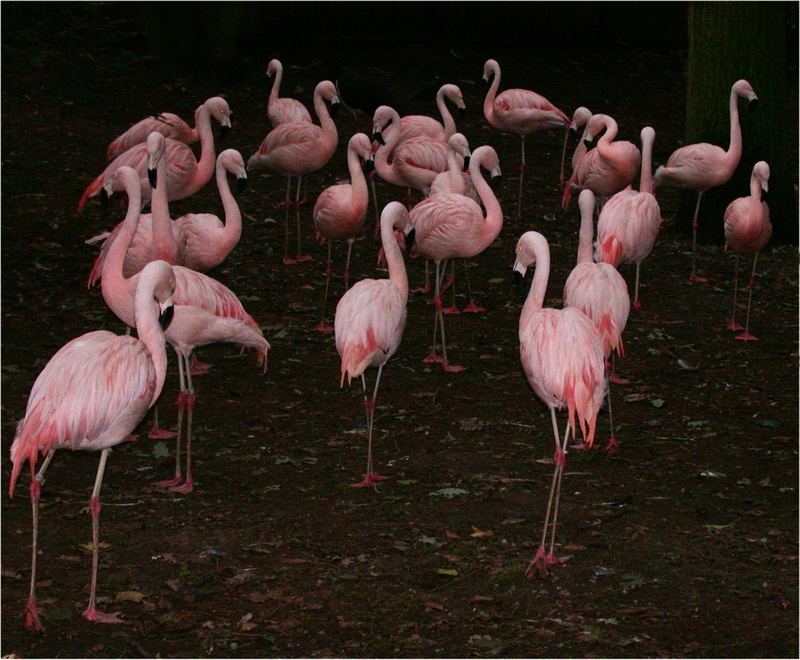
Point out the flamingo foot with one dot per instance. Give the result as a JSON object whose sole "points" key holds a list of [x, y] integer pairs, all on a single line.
{"points": [[422, 289], [636, 305], [91, 614], [746, 336], [734, 326], [581, 446], [31, 616], [447, 284], [131, 437], [472, 308], [433, 358], [537, 564], [157, 433], [177, 480], [287, 261], [694, 277], [451, 310], [184, 489], [451, 368], [304, 257], [617, 380], [323, 327], [612, 448], [551, 559], [198, 368], [370, 479]]}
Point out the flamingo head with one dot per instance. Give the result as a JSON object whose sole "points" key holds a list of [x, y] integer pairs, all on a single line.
{"points": [[460, 145], [528, 245], [594, 127], [745, 90], [156, 146], [486, 157], [490, 68], [579, 119], [233, 162], [274, 67], [383, 117], [123, 178], [220, 110], [161, 273], [453, 92], [327, 90], [761, 174], [586, 203], [362, 145]]}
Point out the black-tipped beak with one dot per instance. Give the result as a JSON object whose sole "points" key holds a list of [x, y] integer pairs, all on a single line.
{"points": [[518, 280], [152, 177], [225, 131], [462, 112], [589, 144], [378, 137], [165, 318], [466, 163], [410, 239], [753, 105], [335, 109], [573, 130], [496, 181], [764, 195], [241, 183], [369, 166], [103, 196]]}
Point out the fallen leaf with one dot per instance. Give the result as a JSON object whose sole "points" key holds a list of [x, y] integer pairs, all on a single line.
{"points": [[132, 596], [656, 403], [479, 534], [452, 572], [432, 604], [450, 492]]}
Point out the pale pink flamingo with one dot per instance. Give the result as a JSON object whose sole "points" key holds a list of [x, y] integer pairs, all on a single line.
{"points": [[206, 312], [186, 175], [282, 110], [518, 111], [600, 292], [296, 149], [580, 118], [606, 168], [340, 211], [370, 320], [451, 226], [89, 397], [748, 229], [704, 166], [630, 221], [412, 126], [170, 125], [562, 356]]}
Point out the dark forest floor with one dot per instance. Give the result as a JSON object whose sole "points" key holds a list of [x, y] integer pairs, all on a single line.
{"points": [[683, 545]]}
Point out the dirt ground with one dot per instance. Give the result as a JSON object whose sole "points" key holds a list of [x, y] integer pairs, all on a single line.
{"points": [[685, 544]]}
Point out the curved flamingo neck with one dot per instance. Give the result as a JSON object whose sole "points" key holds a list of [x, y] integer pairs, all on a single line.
{"points": [[148, 329], [541, 275], [494, 214], [325, 121], [388, 171], [646, 177], [276, 84], [394, 258], [488, 102], [586, 234], [358, 182], [447, 117], [115, 286], [734, 152], [608, 137], [205, 166], [232, 231], [755, 187], [164, 244]]}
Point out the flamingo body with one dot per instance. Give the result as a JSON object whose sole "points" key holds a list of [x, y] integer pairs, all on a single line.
{"points": [[282, 110]]}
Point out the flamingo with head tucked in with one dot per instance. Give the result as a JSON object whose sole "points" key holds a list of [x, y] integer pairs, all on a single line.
{"points": [[282, 110], [580, 118]]}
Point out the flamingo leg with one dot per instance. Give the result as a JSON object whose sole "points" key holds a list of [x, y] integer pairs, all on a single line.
{"points": [[187, 486], [452, 368], [636, 304], [199, 368], [371, 477], [427, 287], [297, 204], [322, 326], [471, 308], [732, 324], [347, 264], [562, 461], [522, 167], [432, 357], [694, 277], [746, 336], [178, 478], [563, 156], [375, 205], [90, 612], [156, 432], [613, 446], [287, 203], [617, 380], [451, 284]]}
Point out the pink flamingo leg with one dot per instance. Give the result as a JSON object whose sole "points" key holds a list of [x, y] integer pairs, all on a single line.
{"points": [[187, 486], [561, 461], [450, 368], [612, 448], [177, 480], [371, 477], [694, 277], [375, 205], [636, 304], [286, 204], [451, 283], [471, 308], [522, 168], [614, 378], [91, 612], [433, 357], [297, 204], [198, 368], [732, 324], [156, 432], [322, 326], [746, 336], [427, 287], [347, 265]]}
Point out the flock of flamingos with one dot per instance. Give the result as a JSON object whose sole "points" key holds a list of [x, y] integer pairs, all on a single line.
{"points": [[98, 387]]}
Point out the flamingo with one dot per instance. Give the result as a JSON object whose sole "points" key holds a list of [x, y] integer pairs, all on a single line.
{"points": [[90, 396], [562, 356], [423, 126], [282, 110], [607, 168], [206, 312], [340, 210], [630, 221], [369, 324], [748, 229], [704, 166], [451, 226], [518, 111], [600, 292], [299, 148], [579, 119], [186, 175], [170, 125]]}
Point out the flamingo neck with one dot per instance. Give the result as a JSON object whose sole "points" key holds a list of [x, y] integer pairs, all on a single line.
{"points": [[394, 258], [586, 235], [735, 148], [447, 117], [325, 121], [149, 331], [608, 137], [205, 166], [646, 177], [755, 188], [488, 102], [276, 85], [232, 231], [388, 171], [358, 182], [116, 288], [535, 299], [164, 245], [494, 214]]}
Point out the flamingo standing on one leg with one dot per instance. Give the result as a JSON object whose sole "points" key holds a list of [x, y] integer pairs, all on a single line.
{"points": [[579, 119], [340, 211], [90, 396], [518, 111], [168, 124], [704, 166], [206, 312], [282, 110], [412, 126], [186, 175], [451, 226], [606, 168], [748, 229], [600, 292], [370, 320], [296, 149], [562, 355], [630, 221]]}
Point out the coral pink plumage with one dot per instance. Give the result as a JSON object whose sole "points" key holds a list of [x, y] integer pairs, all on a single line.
{"points": [[282, 110]]}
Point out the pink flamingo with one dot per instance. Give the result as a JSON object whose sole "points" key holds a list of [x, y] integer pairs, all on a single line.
{"points": [[518, 111], [748, 229], [451, 226], [282, 110], [340, 211], [579, 119], [299, 148], [562, 356], [206, 312], [186, 175], [168, 124], [412, 126], [704, 166], [600, 292], [630, 221], [370, 320], [607, 168], [90, 396]]}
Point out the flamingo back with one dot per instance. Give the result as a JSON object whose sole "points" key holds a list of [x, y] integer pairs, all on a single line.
{"points": [[286, 110], [628, 227], [447, 226], [697, 166], [747, 225], [339, 213], [293, 149], [166, 123], [198, 290]]}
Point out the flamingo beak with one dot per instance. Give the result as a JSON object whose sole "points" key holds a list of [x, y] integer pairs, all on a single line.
{"points": [[378, 137], [335, 105], [764, 195], [410, 239], [241, 182], [462, 112], [466, 164], [152, 177], [518, 276], [753, 106], [167, 312], [225, 130], [496, 181], [369, 166]]}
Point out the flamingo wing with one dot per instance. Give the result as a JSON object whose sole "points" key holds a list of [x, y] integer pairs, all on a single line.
{"points": [[197, 290], [166, 123]]}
